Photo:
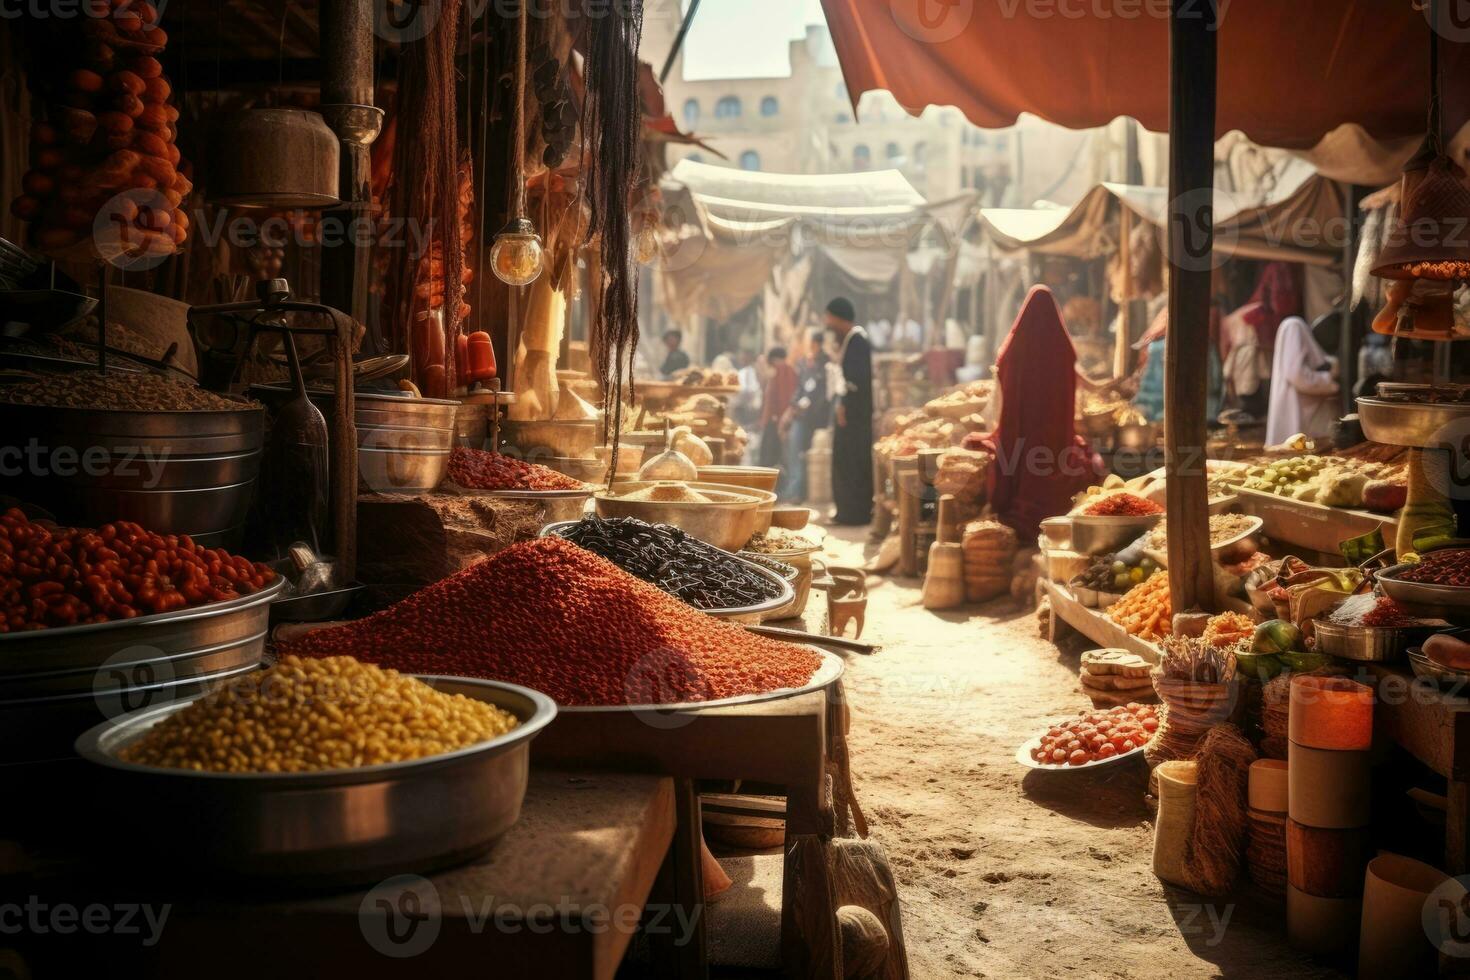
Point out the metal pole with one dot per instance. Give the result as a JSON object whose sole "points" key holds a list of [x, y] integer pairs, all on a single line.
{"points": [[1192, 89]]}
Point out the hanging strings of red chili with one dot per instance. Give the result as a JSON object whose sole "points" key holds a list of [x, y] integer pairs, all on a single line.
{"points": [[612, 123], [425, 189]]}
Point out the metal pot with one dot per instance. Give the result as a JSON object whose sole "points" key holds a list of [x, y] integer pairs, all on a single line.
{"points": [[173, 472], [338, 828]]}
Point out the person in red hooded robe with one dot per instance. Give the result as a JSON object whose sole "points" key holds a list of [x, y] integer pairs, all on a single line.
{"points": [[1040, 460]]}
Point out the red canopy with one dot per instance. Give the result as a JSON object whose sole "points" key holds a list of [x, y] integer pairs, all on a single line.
{"points": [[1289, 72]]}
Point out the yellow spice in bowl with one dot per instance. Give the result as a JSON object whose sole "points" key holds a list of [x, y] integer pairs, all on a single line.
{"points": [[312, 715]]}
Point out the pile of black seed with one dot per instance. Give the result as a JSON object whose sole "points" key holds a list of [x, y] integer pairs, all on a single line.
{"points": [[699, 573]]}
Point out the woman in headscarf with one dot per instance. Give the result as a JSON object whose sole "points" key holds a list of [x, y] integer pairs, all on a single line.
{"points": [[1040, 461], [1248, 336], [1303, 385]]}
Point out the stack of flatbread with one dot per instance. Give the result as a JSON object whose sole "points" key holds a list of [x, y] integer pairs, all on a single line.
{"points": [[1113, 677]]}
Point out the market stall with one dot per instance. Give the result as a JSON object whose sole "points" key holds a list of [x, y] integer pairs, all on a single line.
{"points": [[326, 521]]}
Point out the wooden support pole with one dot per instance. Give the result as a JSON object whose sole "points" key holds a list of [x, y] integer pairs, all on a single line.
{"points": [[1123, 342], [1193, 33]]}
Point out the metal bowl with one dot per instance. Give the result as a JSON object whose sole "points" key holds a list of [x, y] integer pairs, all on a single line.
{"points": [[401, 470], [744, 615], [1365, 644], [750, 477], [551, 438], [1423, 425], [1428, 599], [727, 521], [126, 645], [592, 470], [1448, 677], [1099, 535], [336, 828], [174, 472]]}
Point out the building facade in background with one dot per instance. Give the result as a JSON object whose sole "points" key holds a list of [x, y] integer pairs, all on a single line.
{"points": [[803, 123]]}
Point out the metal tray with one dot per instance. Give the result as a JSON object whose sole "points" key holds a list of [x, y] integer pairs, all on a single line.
{"points": [[95, 645], [337, 828], [318, 607], [827, 673], [1421, 425], [558, 506], [1456, 681], [1440, 599], [744, 615], [136, 668]]}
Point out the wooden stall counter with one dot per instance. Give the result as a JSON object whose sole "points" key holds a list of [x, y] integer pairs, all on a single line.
{"points": [[561, 895]]}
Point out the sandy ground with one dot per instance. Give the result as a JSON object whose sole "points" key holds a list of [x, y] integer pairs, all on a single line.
{"points": [[1006, 872]]}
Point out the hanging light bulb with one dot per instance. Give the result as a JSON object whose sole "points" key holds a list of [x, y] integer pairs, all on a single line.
{"points": [[517, 257]]}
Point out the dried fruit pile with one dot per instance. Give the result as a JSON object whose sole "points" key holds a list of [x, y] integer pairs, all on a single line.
{"points": [[476, 469], [551, 616], [1123, 505], [104, 165], [313, 715], [69, 576], [1441, 568], [1146, 611], [1097, 735]]}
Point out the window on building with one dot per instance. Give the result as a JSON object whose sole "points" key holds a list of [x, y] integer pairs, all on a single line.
{"points": [[728, 107], [843, 118], [921, 153], [893, 152], [862, 157], [1001, 141], [770, 106], [750, 160], [691, 113], [979, 138], [695, 157], [842, 92]]}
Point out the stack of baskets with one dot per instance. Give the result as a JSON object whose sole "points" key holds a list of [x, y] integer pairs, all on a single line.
{"points": [[1265, 853]]}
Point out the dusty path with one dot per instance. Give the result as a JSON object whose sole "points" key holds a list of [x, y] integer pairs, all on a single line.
{"points": [[1009, 874]]}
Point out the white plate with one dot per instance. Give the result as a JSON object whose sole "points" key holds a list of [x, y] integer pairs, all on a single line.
{"points": [[1023, 756]]}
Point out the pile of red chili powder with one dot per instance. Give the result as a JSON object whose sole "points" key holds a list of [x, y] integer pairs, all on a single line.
{"points": [[476, 469], [551, 616]]}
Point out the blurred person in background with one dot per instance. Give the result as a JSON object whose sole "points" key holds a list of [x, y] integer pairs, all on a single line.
{"points": [[1303, 386], [779, 394], [852, 415], [810, 411], [676, 359]]}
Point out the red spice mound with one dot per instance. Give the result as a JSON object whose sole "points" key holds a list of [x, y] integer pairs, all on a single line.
{"points": [[1388, 615], [476, 469], [551, 616], [1441, 568], [1123, 505], [70, 576]]}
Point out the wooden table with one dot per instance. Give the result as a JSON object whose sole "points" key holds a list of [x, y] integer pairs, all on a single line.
{"points": [[1091, 623], [1434, 727], [781, 743], [560, 895]]}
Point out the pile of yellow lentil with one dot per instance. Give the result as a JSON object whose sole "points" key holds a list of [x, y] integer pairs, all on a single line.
{"points": [[310, 715]]}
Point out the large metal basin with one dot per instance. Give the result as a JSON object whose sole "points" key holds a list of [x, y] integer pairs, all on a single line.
{"points": [[173, 472], [338, 828]]}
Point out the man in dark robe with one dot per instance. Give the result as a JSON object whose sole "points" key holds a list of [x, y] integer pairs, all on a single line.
{"points": [[852, 415]]}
